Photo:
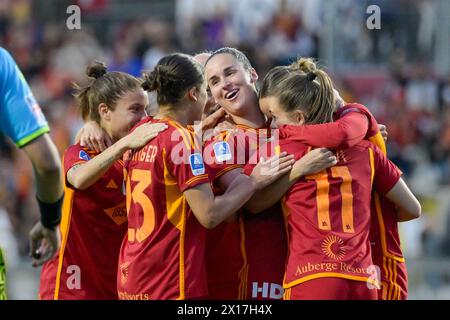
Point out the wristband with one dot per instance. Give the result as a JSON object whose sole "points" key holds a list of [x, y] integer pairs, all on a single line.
{"points": [[50, 213]]}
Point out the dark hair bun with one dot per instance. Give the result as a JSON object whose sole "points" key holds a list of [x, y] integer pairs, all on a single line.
{"points": [[160, 80], [148, 81], [96, 70], [305, 65], [311, 76]]}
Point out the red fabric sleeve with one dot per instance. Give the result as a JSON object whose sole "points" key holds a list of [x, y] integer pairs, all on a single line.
{"points": [[357, 107], [216, 167], [74, 155], [341, 134], [189, 170], [186, 178], [387, 173], [248, 169]]}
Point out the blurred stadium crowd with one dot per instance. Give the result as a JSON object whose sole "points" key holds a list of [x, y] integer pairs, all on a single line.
{"points": [[396, 71]]}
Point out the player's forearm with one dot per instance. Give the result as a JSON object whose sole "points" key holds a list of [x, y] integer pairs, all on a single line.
{"points": [[408, 207], [343, 133], [49, 187], [351, 129], [85, 175], [409, 210], [267, 197], [403, 215], [237, 194], [47, 168]]}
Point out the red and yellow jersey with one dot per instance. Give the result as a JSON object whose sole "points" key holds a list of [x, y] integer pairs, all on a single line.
{"points": [[384, 235], [246, 257], [163, 256], [373, 133], [328, 214], [224, 256], [347, 130], [353, 123], [93, 226], [266, 247]]}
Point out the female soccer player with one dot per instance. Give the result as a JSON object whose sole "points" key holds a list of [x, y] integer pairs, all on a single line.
{"points": [[94, 216], [227, 262], [328, 213], [169, 197], [353, 122], [246, 257]]}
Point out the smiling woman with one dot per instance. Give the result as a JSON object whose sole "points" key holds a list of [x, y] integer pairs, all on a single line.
{"points": [[94, 214], [241, 259], [324, 228], [170, 201], [232, 81]]}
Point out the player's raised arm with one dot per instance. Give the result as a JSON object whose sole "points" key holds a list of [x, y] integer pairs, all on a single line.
{"points": [[29, 131], [210, 210], [84, 175], [92, 136], [313, 162]]}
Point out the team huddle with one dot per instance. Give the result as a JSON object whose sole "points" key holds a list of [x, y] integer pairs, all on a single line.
{"points": [[284, 192]]}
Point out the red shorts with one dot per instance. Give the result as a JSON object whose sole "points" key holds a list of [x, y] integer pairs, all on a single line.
{"points": [[394, 281], [331, 289], [224, 261], [266, 251]]}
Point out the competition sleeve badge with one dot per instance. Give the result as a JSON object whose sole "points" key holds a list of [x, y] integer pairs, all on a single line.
{"points": [[197, 165], [222, 151], [83, 155]]}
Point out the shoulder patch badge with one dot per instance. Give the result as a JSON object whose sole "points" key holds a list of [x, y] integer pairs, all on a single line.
{"points": [[222, 151], [197, 165], [84, 156]]}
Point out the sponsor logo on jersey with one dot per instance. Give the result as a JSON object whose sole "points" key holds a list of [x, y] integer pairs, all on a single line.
{"points": [[267, 290], [333, 247], [111, 184]]}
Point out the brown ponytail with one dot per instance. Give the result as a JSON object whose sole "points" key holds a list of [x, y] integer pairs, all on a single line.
{"points": [[96, 70], [105, 87], [302, 86], [172, 77], [272, 80], [305, 65], [322, 104], [277, 74]]}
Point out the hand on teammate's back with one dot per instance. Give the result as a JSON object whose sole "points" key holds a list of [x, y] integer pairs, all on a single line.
{"points": [[315, 161], [143, 134], [267, 171], [383, 131]]}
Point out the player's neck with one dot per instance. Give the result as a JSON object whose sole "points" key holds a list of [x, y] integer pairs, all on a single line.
{"points": [[253, 118], [180, 116], [105, 126]]}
